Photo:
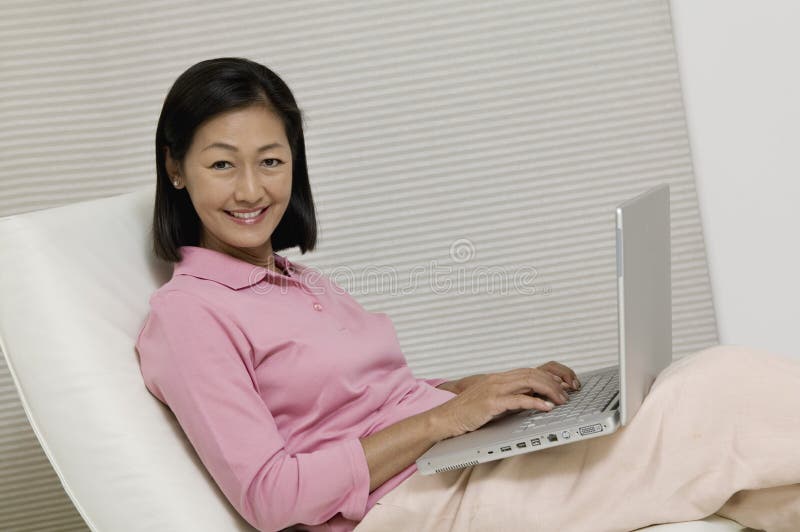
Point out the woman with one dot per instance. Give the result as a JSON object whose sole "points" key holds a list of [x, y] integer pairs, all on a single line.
{"points": [[302, 407]]}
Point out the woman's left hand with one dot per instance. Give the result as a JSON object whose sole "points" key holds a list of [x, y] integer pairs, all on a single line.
{"points": [[463, 383], [560, 373]]}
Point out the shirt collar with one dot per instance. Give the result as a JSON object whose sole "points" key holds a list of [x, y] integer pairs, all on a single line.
{"points": [[223, 268]]}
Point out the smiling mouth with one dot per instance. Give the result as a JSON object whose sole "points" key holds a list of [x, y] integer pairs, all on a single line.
{"points": [[246, 215]]}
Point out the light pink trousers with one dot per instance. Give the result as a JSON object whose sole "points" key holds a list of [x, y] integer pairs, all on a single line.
{"points": [[719, 432]]}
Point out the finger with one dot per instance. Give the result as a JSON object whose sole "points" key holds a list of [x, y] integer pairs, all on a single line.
{"points": [[548, 387], [554, 376], [561, 372], [527, 380], [559, 376], [527, 402], [571, 386]]}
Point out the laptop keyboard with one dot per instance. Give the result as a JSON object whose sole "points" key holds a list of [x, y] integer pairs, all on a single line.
{"points": [[596, 392]]}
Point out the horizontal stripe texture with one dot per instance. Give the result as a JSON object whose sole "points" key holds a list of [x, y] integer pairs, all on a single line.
{"points": [[466, 158]]}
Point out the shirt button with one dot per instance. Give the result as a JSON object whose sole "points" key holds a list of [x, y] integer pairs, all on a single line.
{"points": [[317, 306]]}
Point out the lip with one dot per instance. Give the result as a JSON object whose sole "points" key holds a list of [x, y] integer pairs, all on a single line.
{"points": [[245, 211], [250, 221]]}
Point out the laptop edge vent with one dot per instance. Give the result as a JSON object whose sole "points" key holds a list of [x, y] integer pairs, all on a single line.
{"points": [[457, 466]]}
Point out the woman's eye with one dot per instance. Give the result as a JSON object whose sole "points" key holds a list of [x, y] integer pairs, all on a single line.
{"points": [[271, 163]]}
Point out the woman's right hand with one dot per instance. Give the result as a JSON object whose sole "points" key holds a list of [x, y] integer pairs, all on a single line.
{"points": [[498, 393]]}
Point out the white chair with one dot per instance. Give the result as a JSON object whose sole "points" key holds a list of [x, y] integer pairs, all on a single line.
{"points": [[76, 282]]}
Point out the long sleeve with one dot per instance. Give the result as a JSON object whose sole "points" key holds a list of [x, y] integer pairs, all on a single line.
{"points": [[434, 382], [198, 362]]}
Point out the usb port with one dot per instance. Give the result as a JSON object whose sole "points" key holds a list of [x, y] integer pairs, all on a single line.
{"points": [[504, 449], [535, 442], [522, 444]]}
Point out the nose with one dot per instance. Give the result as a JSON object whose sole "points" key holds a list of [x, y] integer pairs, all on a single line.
{"points": [[248, 186]]}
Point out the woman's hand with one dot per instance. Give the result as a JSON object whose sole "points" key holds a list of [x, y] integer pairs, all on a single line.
{"points": [[564, 376], [459, 385], [489, 396]]}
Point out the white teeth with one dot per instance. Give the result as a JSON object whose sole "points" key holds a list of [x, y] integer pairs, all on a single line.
{"points": [[246, 215]]}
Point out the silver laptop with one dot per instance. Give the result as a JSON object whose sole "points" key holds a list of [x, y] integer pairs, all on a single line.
{"points": [[609, 397]]}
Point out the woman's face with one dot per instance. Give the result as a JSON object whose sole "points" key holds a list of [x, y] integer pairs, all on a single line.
{"points": [[238, 160]]}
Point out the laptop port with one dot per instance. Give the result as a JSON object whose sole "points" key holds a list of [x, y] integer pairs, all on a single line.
{"points": [[535, 442], [504, 449], [591, 429], [552, 437], [522, 444]]}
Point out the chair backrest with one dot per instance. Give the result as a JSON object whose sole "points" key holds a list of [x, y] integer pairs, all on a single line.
{"points": [[75, 284]]}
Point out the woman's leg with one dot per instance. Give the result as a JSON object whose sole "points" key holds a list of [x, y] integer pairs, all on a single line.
{"points": [[716, 422], [774, 509]]}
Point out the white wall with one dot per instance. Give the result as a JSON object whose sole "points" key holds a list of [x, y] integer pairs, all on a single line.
{"points": [[741, 84]]}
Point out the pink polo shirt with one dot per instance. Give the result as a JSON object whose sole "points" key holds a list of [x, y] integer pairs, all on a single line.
{"points": [[274, 378]]}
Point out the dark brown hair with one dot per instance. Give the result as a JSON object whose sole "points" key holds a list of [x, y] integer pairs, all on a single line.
{"points": [[203, 91]]}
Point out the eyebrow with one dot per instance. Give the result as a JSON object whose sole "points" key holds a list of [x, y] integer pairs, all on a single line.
{"points": [[233, 148]]}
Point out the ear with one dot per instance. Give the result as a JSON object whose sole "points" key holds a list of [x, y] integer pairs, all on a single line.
{"points": [[171, 165]]}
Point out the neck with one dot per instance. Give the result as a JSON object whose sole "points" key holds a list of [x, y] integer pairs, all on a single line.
{"points": [[261, 256]]}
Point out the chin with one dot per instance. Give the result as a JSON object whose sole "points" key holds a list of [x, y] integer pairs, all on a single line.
{"points": [[249, 243]]}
